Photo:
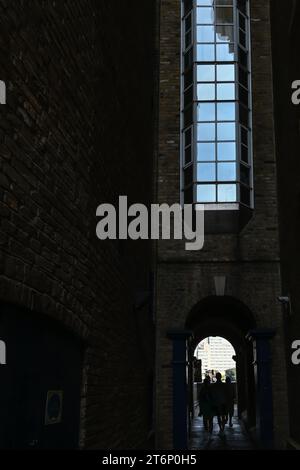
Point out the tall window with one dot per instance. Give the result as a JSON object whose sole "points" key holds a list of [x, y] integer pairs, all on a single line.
{"points": [[216, 102]]}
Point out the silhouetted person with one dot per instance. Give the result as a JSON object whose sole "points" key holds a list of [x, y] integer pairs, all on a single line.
{"points": [[206, 405], [230, 396], [218, 391]]}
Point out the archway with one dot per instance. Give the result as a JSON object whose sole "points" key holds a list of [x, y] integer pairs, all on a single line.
{"points": [[228, 318]]}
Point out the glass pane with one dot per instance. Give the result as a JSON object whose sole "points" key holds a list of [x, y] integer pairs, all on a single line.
{"points": [[188, 176], [205, 34], [206, 172], [244, 136], [188, 22], [188, 39], [242, 5], [205, 3], [226, 91], [223, 2], [225, 73], [224, 15], [188, 59], [243, 57], [205, 15], [188, 155], [224, 33], [244, 154], [243, 40], [206, 193], [226, 112], [245, 175], [188, 78], [206, 152], [245, 195], [227, 193], [242, 20], [226, 151], [243, 77], [225, 52], [206, 92], [206, 112], [188, 137], [226, 172], [206, 73], [205, 53], [206, 132], [226, 131]]}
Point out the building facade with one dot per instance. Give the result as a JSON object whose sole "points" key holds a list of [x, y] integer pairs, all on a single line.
{"points": [[230, 287]]}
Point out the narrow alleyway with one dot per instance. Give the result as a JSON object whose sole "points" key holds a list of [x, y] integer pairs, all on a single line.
{"points": [[234, 438]]}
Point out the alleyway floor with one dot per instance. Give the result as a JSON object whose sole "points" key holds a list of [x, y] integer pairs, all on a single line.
{"points": [[234, 438]]}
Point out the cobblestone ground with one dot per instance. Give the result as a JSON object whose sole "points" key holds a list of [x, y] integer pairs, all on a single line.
{"points": [[234, 438]]}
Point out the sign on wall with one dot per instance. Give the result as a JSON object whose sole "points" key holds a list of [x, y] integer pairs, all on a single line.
{"points": [[54, 404]]}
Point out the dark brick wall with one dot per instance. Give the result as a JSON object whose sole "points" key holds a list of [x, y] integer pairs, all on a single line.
{"points": [[77, 131], [250, 259], [285, 35]]}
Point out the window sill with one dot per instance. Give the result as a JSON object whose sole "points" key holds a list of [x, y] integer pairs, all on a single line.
{"points": [[226, 218]]}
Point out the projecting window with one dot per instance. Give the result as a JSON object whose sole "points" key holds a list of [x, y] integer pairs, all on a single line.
{"points": [[216, 102]]}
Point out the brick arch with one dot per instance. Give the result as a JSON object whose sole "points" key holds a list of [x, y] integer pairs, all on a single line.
{"points": [[231, 319]]}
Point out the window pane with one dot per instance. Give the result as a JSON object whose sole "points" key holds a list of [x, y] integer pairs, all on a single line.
{"points": [[225, 52], [205, 53], [224, 33], [188, 22], [206, 92], [205, 3], [188, 176], [206, 152], [245, 195], [226, 131], [226, 172], [226, 151], [244, 136], [205, 15], [206, 172], [188, 39], [226, 112], [188, 155], [244, 154], [225, 73], [224, 15], [245, 175], [206, 193], [188, 137], [227, 193], [206, 132], [206, 73], [223, 2], [226, 91], [205, 34], [206, 112]]}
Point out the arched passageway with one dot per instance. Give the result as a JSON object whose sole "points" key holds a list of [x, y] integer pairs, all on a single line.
{"points": [[231, 319]]}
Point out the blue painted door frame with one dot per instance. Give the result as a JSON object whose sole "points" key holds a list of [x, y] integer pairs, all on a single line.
{"points": [[263, 379], [180, 387]]}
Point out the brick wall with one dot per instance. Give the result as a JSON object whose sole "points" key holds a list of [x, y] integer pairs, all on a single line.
{"points": [[77, 131], [285, 34], [250, 259]]}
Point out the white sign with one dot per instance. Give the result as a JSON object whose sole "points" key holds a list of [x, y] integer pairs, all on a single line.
{"points": [[2, 353], [2, 92]]}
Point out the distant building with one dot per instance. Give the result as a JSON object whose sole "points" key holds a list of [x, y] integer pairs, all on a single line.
{"points": [[216, 354]]}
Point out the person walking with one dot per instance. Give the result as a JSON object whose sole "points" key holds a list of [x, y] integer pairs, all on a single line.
{"points": [[230, 397], [218, 392], [206, 407]]}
